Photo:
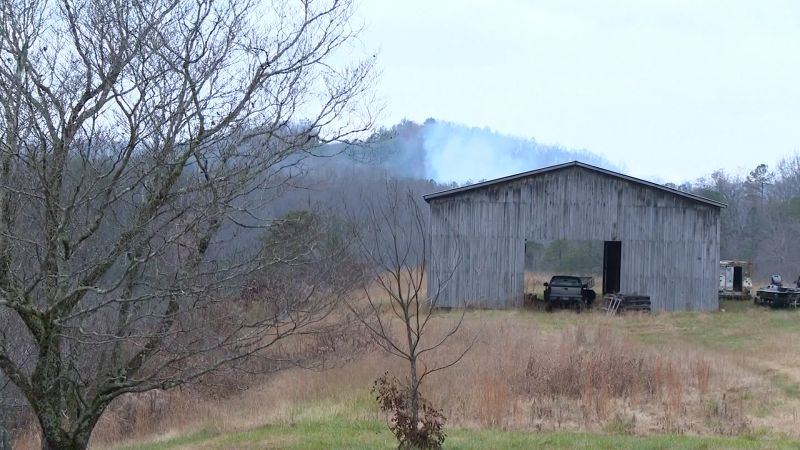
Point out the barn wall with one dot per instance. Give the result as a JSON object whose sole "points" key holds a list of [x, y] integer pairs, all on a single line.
{"points": [[670, 244]]}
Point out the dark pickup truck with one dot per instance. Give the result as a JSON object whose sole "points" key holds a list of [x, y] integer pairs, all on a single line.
{"points": [[567, 291]]}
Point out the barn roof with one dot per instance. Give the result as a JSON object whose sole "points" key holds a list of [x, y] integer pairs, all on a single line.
{"points": [[533, 173]]}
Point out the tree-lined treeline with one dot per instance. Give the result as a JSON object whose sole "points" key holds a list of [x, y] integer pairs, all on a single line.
{"points": [[565, 256], [761, 223]]}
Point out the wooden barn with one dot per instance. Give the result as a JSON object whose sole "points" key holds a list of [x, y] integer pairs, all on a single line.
{"points": [[657, 241]]}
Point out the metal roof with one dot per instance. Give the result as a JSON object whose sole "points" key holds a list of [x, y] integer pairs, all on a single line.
{"points": [[470, 187]]}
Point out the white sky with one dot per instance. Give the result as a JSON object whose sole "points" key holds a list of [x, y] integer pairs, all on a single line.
{"points": [[668, 89]]}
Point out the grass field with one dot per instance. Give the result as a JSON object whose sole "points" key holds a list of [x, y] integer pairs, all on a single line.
{"points": [[729, 379], [346, 434]]}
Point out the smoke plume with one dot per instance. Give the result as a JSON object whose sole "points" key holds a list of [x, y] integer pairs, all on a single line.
{"points": [[455, 153]]}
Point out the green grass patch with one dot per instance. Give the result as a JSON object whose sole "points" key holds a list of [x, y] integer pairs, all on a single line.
{"points": [[345, 434]]}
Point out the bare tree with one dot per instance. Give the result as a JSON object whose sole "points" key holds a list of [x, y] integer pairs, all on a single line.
{"points": [[398, 310], [137, 141]]}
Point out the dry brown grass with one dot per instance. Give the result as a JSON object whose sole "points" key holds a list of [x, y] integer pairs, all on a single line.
{"points": [[592, 375], [581, 378]]}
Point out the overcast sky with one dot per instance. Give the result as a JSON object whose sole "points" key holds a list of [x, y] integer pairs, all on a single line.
{"points": [[668, 89]]}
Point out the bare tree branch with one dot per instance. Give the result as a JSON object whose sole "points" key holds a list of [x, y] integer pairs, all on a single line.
{"points": [[135, 138], [394, 242]]}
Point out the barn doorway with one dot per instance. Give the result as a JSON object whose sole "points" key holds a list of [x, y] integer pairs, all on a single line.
{"points": [[581, 258], [597, 262], [612, 264], [737, 278]]}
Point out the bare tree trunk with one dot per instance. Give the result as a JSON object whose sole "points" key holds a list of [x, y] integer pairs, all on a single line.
{"points": [[414, 391], [394, 243], [55, 439]]}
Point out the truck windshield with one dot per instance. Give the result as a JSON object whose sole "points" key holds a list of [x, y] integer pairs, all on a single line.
{"points": [[566, 281]]}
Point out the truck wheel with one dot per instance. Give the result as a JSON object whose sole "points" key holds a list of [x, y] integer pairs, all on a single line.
{"points": [[549, 306], [578, 306]]}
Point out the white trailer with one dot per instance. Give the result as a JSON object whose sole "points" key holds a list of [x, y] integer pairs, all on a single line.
{"points": [[734, 279]]}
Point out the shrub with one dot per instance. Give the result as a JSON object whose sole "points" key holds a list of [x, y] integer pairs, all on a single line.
{"points": [[394, 399]]}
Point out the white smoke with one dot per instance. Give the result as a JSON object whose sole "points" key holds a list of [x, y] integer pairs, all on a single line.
{"points": [[455, 153]]}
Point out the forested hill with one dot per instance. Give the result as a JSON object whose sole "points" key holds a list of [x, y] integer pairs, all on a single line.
{"points": [[447, 152]]}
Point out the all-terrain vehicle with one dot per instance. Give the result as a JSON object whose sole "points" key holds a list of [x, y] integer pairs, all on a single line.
{"points": [[778, 296], [567, 291]]}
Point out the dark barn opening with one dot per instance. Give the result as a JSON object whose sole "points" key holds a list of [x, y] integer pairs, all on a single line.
{"points": [[737, 279], [612, 264]]}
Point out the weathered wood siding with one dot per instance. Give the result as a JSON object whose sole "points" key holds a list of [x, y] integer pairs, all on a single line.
{"points": [[670, 244]]}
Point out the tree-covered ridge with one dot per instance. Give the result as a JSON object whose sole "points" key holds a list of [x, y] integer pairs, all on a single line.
{"points": [[761, 222]]}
